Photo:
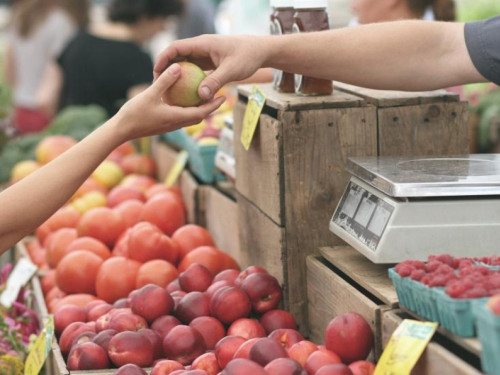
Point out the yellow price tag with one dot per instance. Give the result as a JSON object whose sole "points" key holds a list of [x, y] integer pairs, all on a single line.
{"points": [[40, 350], [145, 143], [254, 108], [177, 168], [406, 346]]}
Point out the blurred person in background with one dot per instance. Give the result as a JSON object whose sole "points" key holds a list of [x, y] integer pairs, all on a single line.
{"points": [[40, 31], [107, 64], [198, 19]]}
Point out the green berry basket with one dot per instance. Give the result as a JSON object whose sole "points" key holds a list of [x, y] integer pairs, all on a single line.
{"points": [[488, 331], [403, 290]]}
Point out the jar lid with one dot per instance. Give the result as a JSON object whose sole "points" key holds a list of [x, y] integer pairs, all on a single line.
{"points": [[282, 3], [310, 4]]}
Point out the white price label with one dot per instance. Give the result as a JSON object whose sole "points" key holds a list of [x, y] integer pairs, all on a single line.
{"points": [[18, 278]]}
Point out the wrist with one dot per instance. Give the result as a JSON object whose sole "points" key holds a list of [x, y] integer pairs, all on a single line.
{"points": [[269, 46], [118, 129]]}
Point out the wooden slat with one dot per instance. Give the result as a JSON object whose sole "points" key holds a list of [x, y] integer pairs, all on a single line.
{"points": [[435, 129], [316, 146], [372, 277], [259, 170], [190, 190], [164, 156], [435, 359], [330, 295], [387, 98], [292, 102], [221, 215]]}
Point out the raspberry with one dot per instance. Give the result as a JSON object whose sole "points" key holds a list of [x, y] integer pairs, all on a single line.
{"points": [[455, 289], [444, 269], [417, 274], [417, 264], [438, 280], [463, 263], [431, 258], [447, 259], [476, 292], [466, 270], [483, 270], [405, 270], [433, 265], [426, 280], [493, 292]]}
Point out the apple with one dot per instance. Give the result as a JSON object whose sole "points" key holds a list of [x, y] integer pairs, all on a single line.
{"points": [[193, 305], [247, 328], [196, 278], [164, 324], [151, 302], [301, 351], [210, 328], [277, 319], [267, 350], [184, 91], [166, 367], [226, 348], [184, 344], [207, 362], [263, 290], [130, 370], [247, 272], [319, 359], [284, 366], [242, 366], [130, 347], [286, 337], [337, 369], [244, 349], [103, 338], [88, 356], [229, 304]]}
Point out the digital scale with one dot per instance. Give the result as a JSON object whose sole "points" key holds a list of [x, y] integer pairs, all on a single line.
{"points": [[224, 159], [395, 209]]}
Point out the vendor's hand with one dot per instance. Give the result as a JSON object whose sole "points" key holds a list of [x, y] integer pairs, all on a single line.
{"points": [[146, 114], [234, 58]]}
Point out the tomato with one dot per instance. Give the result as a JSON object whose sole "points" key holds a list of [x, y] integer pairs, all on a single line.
{"points": [[212, 258], [66, 217], [147, 242], [130, 211], [103, 224], [57, 245], [122, 194], [79, 300], [121, 151], [90, 244], [160, 188], [121, 247], [77, 272], [190, 237], [139, 164], [88, 186], [166, 212], [116, 278], [48, 281], [157, 272]]}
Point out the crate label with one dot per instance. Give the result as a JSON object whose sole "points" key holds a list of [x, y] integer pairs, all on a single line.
{"points": [[177, 168], [40, 350], [406, 346], [18, 278], [254, 108]]}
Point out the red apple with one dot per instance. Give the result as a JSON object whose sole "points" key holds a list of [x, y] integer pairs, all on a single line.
{"points": [[229, 304], [130, 370], [196, 278], [267, 350], [155, 340], [66, 315], [93, 304], [277, 319], [284, 366], [244, 349], [151, 302], [130, 347], [98, 311], [207, 362], [164, 324], [88, 356], [362, 368], [242, 366], [227, 275], [210, 328], [216, 286], [193, 305], [338, 369], [226, 348], [247, 272], [350, 336], [173, 286], [247, 328], [301, 351], [102, 324], [103, 338], [263, 290], [166, 367], [320, 359], [127, 322], [286, 337], [121, 303], [184, 344], [83, 337], [69, 335]]}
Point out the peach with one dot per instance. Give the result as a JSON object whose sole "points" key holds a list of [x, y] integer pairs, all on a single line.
{"points": [[284, 366], [88, 356], [267, 350], [130, 370], [92, 326], [173, 286], [195, 279], [164, 324], [155, 340], [247, 272], [103, 338], [130, 347], [242, 366], [207, 362], [226, 348], [301, 351], [151, 302], [350, 336], [184, 92], [247, 328], [58, 243], [121, 303], [286, 337], [227, 275], [130, 212], [51, 147], [244, 349], [216, 286], [67, 315], [210, 328], [277, 319], [102, 322], [337, 369], [320, 359], [138, 181], [166, 367], [122, 194], [193, 305], [190, 237], [263, 290], [93, 304], [82, 337], [90, 244], [103, 224], [98, 311], [158, 272], [229, 304], [69, 335], [362, 368], [184, 344], [127, 322], [147, 242], [139, 164]]}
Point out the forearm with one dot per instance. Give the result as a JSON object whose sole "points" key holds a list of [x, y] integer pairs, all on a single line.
{"points": [[408, 55], [30, 202]]}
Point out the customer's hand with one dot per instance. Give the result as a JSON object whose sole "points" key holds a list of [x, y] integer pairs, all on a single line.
{"points": [[147, 114], [234, 58]]}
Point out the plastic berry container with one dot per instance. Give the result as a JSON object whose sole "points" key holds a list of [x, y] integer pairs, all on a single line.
{"points": [[488, 332], [403, 290]]}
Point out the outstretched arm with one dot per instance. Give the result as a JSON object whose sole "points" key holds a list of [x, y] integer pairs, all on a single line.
{"points": [[28, 203], [406, 55]]}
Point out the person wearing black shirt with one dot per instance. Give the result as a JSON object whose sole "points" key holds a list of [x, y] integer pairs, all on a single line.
{"points": [[106, 65]]}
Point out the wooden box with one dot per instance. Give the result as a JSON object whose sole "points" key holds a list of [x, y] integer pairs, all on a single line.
{"points": [[292, 177]]}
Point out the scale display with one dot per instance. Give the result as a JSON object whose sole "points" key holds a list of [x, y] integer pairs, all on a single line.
{"points": [[363, 215]]}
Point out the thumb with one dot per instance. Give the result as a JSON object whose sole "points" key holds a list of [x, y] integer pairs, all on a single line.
{"points": [[166, 79], [213, 83]]}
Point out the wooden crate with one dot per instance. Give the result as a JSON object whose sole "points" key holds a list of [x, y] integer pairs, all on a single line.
{"points": [[417, 123], [219, 214], [436, 359]]}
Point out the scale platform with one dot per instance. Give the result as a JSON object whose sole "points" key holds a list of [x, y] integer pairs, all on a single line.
{"points": [[395, 209]]}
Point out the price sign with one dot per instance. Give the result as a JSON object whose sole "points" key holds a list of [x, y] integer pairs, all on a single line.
{"points": [[18, 278], [177, 168], [254, 108], [40, 350], [406, 346]]}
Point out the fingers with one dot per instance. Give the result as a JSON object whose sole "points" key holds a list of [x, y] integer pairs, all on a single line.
{"points": [[178, 51], [194, 115], [165, 80], [214, 82]]}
